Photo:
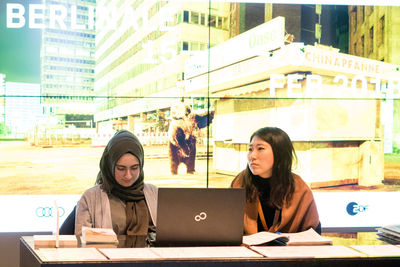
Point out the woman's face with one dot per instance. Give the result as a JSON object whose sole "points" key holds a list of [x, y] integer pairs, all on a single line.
{"points": [[260, 157], [127, 170]]}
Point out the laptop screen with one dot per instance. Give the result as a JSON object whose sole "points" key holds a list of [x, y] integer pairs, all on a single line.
{"points": [[200, 216]]}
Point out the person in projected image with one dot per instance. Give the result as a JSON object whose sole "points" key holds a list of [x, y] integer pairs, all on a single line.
{"points": [[120, 200], [277, 200]]}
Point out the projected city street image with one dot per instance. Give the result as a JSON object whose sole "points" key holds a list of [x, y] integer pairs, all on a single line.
{"points": [[193, 80], [57, 170]]}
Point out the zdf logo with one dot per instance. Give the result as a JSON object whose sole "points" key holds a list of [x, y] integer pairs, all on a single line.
{"points": [[353, 208]]}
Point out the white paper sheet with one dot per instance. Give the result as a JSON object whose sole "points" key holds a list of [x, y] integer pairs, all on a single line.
{"points": [[378, 250], [70, 254], [205, 252], [307, 252], [128, 253]]}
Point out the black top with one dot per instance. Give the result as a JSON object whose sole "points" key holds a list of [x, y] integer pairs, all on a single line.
{"points": [[264, 189]]}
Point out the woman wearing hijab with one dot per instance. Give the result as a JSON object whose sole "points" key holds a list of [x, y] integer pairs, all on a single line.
{"points": [[277, 200], [120, 200]]}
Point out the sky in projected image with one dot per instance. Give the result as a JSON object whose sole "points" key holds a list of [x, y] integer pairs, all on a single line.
{"points": [[19, 49]]}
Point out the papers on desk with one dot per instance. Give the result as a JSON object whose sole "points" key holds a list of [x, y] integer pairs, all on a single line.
{"points": [[206, 252], [378, 250], [389, 234], [70, 254], [305, 238], [128, 253], [98, 235], [98, 245], [265, 238], [306, 251], [179, 253]]}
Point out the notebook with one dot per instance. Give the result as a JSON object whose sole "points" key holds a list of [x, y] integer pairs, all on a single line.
{"points": [[200, 216]]}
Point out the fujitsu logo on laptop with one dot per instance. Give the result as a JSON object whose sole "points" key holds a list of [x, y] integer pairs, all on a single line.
{"points": [[200, 217]]}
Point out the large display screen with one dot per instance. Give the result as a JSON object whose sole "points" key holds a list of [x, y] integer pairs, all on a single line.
{"points": [[193, 80]]}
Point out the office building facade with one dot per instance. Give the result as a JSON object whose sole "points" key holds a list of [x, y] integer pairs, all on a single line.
{"points": [[373, 34], [323, 24], [22, 108], [2, 94], [141, 50], [67, 61]]}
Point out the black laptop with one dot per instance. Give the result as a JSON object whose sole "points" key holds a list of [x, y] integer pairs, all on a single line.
{"points": [[200, 216]]}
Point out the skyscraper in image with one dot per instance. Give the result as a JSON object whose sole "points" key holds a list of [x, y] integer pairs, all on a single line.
{"points": [[67, 61]]}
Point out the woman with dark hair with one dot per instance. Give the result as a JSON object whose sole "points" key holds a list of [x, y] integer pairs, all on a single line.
{"points": [[277, 200], [120, 200]]}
